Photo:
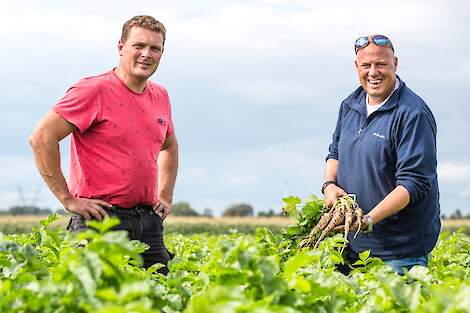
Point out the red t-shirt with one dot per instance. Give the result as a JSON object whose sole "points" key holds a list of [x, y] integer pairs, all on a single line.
{"points": [[114, 152]]}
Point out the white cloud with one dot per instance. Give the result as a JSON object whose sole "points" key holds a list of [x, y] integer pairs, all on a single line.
{"points": [[225, 30], [17, 168], [466, 192], [260, 176], [63, 27], [454, 172], [22, 184], [193, 174], [270, 92], [279, 51]]}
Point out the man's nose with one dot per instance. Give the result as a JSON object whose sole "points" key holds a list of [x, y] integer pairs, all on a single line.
{"points": [[145, 52], [373, 70]]}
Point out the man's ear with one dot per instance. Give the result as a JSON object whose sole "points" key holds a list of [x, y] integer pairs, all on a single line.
{"points": [[119, 46]]}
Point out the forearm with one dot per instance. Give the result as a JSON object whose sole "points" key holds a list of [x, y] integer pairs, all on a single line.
{"points": [[47, 158], [167, 171], [391, 204], [45, 143], [331, 170], [331, 191]]}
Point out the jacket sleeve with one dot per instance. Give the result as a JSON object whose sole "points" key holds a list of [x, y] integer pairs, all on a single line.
{"points": [[333, 148], [416, 154]]}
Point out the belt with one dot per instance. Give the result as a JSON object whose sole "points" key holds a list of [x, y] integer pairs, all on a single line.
{"points": [[139, 208]]}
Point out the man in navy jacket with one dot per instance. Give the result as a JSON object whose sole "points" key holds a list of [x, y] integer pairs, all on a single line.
{"points": [[384, 151]]}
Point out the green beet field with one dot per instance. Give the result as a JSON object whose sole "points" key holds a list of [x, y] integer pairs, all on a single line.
{"points": [[50, 270]]}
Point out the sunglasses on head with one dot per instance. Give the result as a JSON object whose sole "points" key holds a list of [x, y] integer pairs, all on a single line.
{"points": [[379, 40]]}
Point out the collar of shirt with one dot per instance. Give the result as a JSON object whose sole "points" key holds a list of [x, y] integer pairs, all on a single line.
{"points": [[372, 108]]}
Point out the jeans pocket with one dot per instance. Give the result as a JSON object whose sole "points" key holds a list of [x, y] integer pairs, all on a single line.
{"points": [[76, 223], [157, 217]]}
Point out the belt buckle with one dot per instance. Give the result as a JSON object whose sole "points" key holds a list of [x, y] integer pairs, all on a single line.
{"points": [[140, 208]]}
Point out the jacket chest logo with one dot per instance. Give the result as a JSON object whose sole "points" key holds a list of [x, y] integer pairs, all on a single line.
{"points": [[379, 135]]}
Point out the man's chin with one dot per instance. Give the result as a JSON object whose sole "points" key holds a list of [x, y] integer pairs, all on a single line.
{"points": [[144, 74], [375, 92]]}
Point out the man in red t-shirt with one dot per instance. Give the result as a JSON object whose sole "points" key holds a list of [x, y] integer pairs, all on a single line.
{"points": [[124, 153]]}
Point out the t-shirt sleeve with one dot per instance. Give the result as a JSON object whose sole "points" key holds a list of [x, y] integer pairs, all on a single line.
{"points": [[80, 105]]}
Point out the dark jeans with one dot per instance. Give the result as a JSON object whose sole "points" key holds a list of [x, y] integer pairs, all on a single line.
{"points": [[141, 223]]}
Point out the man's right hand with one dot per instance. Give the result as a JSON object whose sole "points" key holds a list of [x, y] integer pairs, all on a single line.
{"points": [[332, 193], [88, 208]]}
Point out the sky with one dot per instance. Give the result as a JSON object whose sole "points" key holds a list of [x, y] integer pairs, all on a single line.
{"points": [[255, 87]]}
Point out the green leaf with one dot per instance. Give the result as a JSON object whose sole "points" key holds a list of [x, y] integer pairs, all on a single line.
{"points": [[336, 257], [50, 219], [294, 263], [105, 225], [290, 207], [300, 284], [421, 274], [364, 255], [294, 230], [133, 290]]}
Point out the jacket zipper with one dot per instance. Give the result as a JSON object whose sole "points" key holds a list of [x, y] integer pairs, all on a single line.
{"points": [[366, 122]]}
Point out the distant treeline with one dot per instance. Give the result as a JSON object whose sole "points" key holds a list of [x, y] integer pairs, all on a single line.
{"points": [[179, 209], [185, 209], [29, 210], [244, 209], [457, 215], [238, 209]]}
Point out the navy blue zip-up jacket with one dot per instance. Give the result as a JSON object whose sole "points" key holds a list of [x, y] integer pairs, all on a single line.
{"points": [[395, 145]]}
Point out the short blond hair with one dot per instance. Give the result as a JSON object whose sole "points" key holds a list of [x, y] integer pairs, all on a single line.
{"points": [[144, 21]]}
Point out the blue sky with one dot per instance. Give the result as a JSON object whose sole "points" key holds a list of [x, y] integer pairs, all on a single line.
{"points": [[255, 86]]}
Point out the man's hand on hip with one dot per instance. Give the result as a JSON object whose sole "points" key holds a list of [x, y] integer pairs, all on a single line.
{"points": [[88, 208], [332, 193], [162, 208]]}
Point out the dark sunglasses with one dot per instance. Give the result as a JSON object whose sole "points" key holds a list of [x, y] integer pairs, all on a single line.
{"points": [[379, 40]]}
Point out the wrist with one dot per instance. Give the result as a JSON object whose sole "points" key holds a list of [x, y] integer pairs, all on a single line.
{"points": [[165, 200], [66, 200], [367, 223], [326, 184]]}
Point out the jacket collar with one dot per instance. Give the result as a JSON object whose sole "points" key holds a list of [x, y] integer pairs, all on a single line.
{"points": [[358, 99]]}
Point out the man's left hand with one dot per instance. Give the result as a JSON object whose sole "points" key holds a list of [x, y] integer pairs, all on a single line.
{"points": [[162, 208]]}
